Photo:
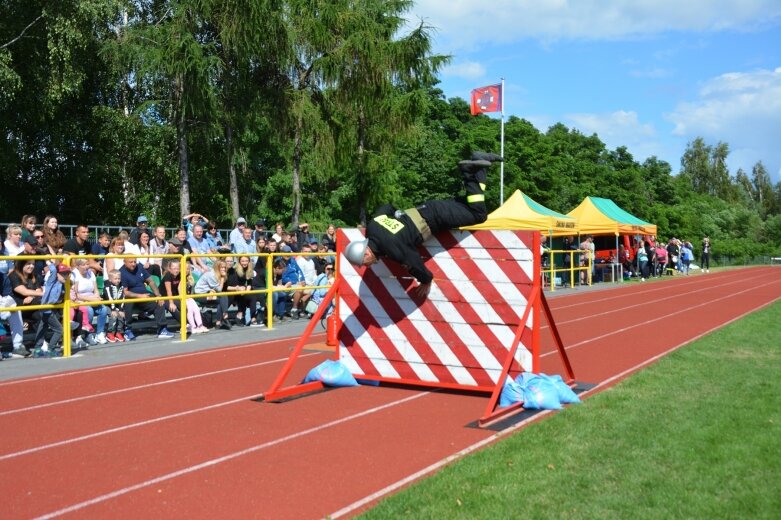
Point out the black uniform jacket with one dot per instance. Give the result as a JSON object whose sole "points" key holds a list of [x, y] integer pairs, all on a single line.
{"points": [[396, 238]]}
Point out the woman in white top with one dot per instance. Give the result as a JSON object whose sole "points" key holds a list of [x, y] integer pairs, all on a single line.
{"points": [[11, 247], [117, 247], [84, 288], [213, 281], [143, 249]]}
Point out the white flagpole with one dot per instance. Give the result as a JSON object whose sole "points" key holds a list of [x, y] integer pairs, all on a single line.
{"points": [[501, 165]]}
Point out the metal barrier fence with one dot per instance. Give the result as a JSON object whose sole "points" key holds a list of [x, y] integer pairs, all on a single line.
{"points": [[67, 304], [550, 270]]}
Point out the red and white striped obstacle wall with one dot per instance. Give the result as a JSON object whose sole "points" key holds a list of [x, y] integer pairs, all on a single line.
{"points": [[461, 335], [479, 325]]}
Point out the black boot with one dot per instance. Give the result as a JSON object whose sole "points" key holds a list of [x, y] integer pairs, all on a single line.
{"points": [[473, 166], [486, 156], [474, 171]]}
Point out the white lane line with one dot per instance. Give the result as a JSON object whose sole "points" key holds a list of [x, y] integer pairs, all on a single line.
{"points": [[226, 458], [648, 289], [635, 325], [476, 446], [148, 385], [172, 357], [126, 427], [741, 281]]}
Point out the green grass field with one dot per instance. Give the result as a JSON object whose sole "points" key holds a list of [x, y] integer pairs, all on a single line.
{"points": [[696, 435]]}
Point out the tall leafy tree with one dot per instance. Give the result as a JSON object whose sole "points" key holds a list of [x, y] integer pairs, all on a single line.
{"points": [[762, 188]]}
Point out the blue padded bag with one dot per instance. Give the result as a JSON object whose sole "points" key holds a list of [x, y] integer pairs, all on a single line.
{"points": [[512, 393], [566, 394], [331, 373], [538, 392]]}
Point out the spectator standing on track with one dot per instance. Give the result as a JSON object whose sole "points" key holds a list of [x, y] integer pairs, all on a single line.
{"points": [[686, 256], [642, 261], [585, 259], [661, 258], [672, 256], [705, 258]]}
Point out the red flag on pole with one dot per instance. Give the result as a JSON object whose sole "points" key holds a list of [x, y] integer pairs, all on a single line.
{"points": [[487, 99]]}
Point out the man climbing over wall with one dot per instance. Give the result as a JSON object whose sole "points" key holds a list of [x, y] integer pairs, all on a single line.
{"points": [[397, 233]]}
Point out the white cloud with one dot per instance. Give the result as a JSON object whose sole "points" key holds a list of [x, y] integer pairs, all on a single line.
{"points": [[466, 24], [742, 109], [619, 128], [465, 70]]}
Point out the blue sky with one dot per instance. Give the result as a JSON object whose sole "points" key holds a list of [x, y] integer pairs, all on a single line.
{"points": [[648, 75]]}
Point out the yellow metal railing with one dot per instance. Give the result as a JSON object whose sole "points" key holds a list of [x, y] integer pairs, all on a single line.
{"points": [[67, 304], [552, 270]]}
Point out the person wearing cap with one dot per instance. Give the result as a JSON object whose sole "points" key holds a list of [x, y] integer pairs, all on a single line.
{"points": [[142, 223], [260, 230], [245, 245], [237, 232], [396, 234], [302, 234]]}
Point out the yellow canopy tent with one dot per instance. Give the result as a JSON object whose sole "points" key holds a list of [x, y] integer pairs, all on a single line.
{"points": [[596, 216], [522, 212]]}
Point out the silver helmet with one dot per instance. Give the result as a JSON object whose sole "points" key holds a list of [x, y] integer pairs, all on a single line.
{"points": [[355, 250]]}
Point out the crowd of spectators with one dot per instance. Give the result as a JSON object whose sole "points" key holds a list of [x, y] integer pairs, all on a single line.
{"points": [[104, 291], [646, 257]]}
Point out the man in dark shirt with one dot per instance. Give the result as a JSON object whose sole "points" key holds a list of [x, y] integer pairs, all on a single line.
{"points": [[396, 234], [135, 279], [141, 225], [79, 245]]}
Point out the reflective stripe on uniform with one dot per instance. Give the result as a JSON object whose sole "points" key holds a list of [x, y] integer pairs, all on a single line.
{"points": [[475, 198], [391, 224], [482, 186]]}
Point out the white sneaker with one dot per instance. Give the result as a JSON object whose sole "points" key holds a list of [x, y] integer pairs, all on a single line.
{"points": [[79, 343], [101, 338]]}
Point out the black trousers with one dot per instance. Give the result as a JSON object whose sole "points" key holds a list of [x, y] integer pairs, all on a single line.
{"points": [[458, 211], [148, 307]]}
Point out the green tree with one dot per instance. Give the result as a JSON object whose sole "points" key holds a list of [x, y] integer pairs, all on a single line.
{"points": [[762, 189]]}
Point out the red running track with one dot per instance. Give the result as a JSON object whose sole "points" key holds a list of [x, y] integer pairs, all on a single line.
{"points": [[182, 436]]}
